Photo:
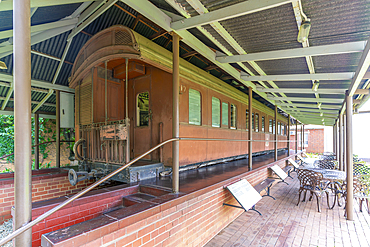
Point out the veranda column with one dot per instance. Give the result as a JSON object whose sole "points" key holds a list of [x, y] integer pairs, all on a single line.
{"points": [[301, 137], [37, 148], [296, 136], [250, 144], [22, 118], [276, 135], [344, 142], [349, 155], [175, 112], [57, 113], [335, 139], [340, 153], [288, 135]]}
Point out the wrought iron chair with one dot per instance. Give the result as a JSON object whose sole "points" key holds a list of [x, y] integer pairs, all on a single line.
{"points": [[361, 190], [313, 182], [360, 169], [326, 164]]}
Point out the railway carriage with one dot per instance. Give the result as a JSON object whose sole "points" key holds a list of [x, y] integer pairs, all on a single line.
{"points": [[123, 105]]}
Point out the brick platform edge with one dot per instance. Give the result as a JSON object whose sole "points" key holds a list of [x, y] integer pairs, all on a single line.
{"points": [[46, 184], [190, 220]]}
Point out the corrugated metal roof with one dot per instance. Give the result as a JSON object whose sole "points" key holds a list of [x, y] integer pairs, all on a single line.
{"points": [[335, 21]]}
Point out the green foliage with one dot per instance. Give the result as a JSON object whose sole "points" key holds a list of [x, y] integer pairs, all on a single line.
{"points": [[312, 155], [7, 138], [365, 181], [6, 170]]}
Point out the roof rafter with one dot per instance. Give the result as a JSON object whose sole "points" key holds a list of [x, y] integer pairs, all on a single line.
{"points": [[38, 83], [93, 15], [37, 38], [322, 106], [229, 12], [8, 5], [301, 99], [41, 27], [296, 52], [310, 110], [301, 77], [361, 69]]}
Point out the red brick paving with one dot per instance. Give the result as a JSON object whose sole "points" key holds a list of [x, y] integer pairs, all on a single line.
{"points": [[283, 223]]}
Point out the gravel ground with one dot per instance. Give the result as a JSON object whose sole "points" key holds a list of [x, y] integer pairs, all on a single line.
{"points": [[5, 230]]}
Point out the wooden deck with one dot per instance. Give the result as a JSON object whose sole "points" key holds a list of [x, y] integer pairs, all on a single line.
{"points": [[283, 223]]}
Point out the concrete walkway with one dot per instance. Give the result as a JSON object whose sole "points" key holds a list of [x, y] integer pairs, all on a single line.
{"points": [[284, 224]]}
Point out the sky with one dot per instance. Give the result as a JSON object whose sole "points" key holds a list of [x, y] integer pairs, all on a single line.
{"points": [[361, 132]]}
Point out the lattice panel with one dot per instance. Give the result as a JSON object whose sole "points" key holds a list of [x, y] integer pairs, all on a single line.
{"points": [[123, 38], [85, 101]]}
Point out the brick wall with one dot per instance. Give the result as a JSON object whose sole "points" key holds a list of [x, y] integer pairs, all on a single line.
{"points": [[83, 209], [315, 141], [190, 220], [46, 184]]}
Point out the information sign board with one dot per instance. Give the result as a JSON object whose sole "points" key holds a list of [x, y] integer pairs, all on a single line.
{"points": [[278, 171], [293, 163], [245, 194]]}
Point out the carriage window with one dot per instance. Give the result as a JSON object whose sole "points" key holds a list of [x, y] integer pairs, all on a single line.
{"points": [[252, 121], [232, 116], [246, 119], [194, 107], [271, 127], [263, 124], [142, 109], [257, 122], [216, 111], [225, 113], [285, 129], [279, 128]]}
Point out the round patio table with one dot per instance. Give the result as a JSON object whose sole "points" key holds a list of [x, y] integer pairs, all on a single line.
{"points": [[335, 178]]}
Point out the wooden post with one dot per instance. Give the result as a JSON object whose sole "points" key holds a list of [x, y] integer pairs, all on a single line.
{"points": [[250, 144], [276, 134], [175, 112], [22, 119], [340, 153], [349, 156], [37, 148], [296, 136], [57, 155], [288, 135], [344, 142], [302, 137], [335, 139]]}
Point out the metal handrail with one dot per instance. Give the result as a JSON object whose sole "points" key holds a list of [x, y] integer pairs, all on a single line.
{"points": [[79, 194], [234, 140]]}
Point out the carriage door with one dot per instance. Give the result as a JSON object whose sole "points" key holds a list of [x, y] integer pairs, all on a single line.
{"points": [[143, 116]]}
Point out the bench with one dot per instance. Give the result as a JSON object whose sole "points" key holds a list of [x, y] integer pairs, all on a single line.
{"points": [[265, 185], [295, 166], [300, 160], [280, 172]]}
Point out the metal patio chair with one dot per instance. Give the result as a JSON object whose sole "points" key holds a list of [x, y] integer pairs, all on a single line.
{"points": [[313, 182], [361, 190]]}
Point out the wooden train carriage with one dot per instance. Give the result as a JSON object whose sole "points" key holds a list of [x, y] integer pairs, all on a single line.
{"points": [[209, 108]]}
